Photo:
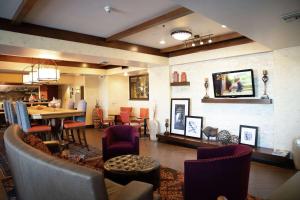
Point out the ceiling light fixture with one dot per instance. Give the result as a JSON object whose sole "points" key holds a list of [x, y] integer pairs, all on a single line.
{"points": [[125, 73], [107, 9], [181, 34], [162, 42], [224, 26]]}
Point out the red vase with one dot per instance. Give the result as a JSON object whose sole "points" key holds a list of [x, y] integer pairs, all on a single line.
{"points": [[183, 77]]}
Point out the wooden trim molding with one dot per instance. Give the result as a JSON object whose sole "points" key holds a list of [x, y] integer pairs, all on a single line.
{"points": [[174, 14], [17, 59], [43, 31], [22, 10], [215, 45]]}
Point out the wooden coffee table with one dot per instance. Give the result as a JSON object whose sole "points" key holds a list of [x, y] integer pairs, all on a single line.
{"points": [[126, 168]]}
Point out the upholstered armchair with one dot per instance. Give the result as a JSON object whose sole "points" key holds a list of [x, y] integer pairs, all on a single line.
{"points": [[221, 171], [120, 140]]}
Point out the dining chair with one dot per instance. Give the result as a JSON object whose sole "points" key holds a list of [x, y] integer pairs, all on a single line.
{"points": [[11, 113], [26, 126], [103, 122], [142, 119], [70, 104], [77, 124], [125, 120], [6, 115]]}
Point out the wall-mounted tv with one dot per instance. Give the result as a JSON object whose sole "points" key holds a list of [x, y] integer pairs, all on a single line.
{"points": [[234, 84]]}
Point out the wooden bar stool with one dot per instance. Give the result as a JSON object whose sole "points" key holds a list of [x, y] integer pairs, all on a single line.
{"points": [[77, 124]]}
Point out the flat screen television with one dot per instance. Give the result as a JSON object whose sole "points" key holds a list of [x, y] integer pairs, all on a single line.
{"points": [[233, 84]]}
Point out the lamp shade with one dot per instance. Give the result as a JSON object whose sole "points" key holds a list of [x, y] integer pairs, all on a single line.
{"points": [[48, 74], [30, 78]]}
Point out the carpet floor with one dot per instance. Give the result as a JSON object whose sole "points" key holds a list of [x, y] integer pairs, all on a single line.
{"points": [[171, 181]]}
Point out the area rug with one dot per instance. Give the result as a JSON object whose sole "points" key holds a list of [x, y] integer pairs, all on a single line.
{"points": [[171, 185]]}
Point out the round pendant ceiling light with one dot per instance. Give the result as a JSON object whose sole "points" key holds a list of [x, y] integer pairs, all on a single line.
{"points": [[181, 34]]}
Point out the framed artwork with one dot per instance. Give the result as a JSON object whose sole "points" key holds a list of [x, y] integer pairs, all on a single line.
{"points": [[248, 135], [179, 109], [193, 126], [139, 87]]}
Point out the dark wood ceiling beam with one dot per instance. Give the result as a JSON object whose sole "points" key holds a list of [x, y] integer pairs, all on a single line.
{"points": [[174, 14], [218, 38], [216, 45], [23, 9], [18, 59], [43, 31]]}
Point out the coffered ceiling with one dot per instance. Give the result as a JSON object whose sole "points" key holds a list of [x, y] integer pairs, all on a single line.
{"points": [[89, 17]]}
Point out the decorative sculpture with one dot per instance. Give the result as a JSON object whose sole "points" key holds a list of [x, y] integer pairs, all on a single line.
{"points": [[167, 125], [206, 88], [210, 132], [265, 79], [224, 137]]}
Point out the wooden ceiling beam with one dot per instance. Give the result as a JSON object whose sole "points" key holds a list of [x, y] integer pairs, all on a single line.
{"points": [[18, 59], [32, 29], [174, 14], [23, 9], [218, 38]]}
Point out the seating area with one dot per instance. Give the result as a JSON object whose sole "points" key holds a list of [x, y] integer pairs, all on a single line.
{"points": [[142, 100]]}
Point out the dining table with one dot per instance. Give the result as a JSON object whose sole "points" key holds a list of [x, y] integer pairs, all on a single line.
{"points": [[43, 112], [55, 115]]}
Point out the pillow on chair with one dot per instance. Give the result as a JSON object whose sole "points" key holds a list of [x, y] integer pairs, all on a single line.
{"points": [[36, 143]]}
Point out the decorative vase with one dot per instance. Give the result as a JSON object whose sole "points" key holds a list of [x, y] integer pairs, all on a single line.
{"points": [[153, 123], [183, 77], [153, 129], [296, 153], [175, 77]]}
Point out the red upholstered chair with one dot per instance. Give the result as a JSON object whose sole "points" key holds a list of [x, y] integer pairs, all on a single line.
{"points": [[120, 140], [142, 119], [125, 120], [221, 171]]}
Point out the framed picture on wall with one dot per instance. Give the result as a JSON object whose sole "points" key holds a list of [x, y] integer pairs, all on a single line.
{"points": [[180, 108], [139, 87], [248, 135], [193, 127]]}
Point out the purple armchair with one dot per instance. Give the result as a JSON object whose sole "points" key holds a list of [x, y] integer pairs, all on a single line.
{"points": [[120, 140], [218, 171]]}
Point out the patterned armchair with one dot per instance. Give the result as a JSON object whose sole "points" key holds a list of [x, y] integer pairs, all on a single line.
{"points": [[120, 140], [218, 171]]}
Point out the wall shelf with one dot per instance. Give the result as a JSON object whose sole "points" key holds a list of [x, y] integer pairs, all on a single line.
{"points": [[180, 84], [242, 101], [259, 154]]}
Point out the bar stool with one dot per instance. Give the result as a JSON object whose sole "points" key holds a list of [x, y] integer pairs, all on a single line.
{"points": [[79, 125], [23, 117]]}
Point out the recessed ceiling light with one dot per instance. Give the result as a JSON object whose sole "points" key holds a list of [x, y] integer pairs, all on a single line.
{"points": [[210, 41], [193, 44], [84, 65], [201, 42], [162, 42], [224, 26]]}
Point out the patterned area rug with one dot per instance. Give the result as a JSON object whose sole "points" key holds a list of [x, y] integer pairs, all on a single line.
{"points": [[171, 185]]}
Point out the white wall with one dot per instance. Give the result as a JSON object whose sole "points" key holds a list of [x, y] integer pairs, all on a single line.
{"points": [[278, 123], [91, 95]]}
